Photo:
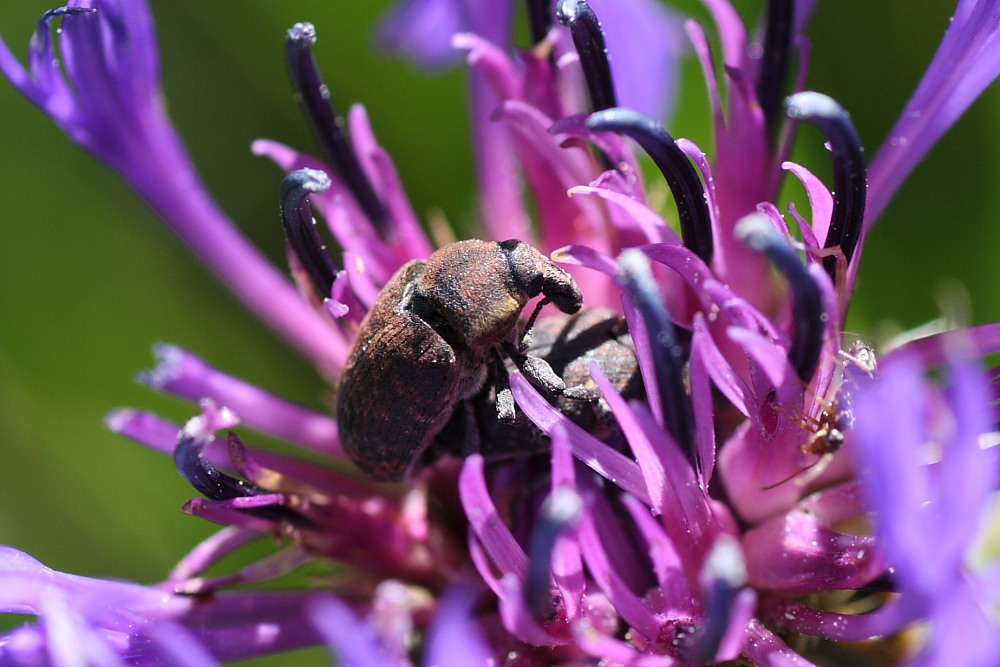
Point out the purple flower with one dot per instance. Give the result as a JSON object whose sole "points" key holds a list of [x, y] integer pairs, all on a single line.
{"points": [[712, 470]]}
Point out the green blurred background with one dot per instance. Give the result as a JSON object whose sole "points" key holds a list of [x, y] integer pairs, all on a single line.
{"points": [[89, 278]]}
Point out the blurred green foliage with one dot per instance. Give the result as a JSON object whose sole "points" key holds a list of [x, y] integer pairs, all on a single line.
{"points": [[89, 279]]}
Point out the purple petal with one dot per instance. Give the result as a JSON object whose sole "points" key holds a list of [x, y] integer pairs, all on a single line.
{"points": [[604, 460], [674, 587], [116, 112], [798, 553], [633, 610], [966, 62], [789, 615], [184, 374], [454, 639], [935, 350], [924, 528], [764, 649], [421, 30], [353, 641], [210, 551], [517, 618], [645, 43], [485, 522]]}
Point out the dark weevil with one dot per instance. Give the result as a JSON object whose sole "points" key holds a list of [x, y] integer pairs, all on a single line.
{"points": [[439, 333], [569, 344]]}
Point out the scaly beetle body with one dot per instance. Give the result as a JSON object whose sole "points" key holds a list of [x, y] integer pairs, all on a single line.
{"points": [[429, 341], [570, 344]]}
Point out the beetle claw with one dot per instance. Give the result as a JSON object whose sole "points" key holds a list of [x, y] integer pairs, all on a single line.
{"points": [[580, 393], [505, 405]]}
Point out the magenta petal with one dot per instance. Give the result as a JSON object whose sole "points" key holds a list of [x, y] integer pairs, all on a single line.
{"points": [[633, 610], [353, 641], [820, 200], [567, 563], [644, 40], [454, 639], [184, 374], [674, 587], [798, 553], [764, 649], [421, 30], [581, 255], [966, 62], [789, 615], [410, 240], [769, 357], [600, 457], [703, 403], [517, 617], [485, 522], [723, 376], [640, 216]]}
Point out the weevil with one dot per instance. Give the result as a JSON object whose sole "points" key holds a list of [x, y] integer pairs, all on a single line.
{"points": [[570, 344], [434, 335]]}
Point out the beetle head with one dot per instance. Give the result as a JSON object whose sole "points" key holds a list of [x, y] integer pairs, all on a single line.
{"points": [[480, 287], [535, 274]]}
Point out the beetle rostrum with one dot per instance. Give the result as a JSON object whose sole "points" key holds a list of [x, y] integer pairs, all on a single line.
{"points": [[430, 340]]}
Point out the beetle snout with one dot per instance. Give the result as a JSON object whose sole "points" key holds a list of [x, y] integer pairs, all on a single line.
{"points": [[567, 303]]}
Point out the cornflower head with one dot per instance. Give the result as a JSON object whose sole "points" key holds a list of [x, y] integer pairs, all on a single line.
{"points": [[694, 468]]}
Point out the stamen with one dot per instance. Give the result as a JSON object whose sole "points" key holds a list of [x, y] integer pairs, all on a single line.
{"points": [[689, 194], [722, 577], [807, 302], [849, 171], [589, 41], [560, 512], [64, 11], [667, 353], [217, 485], [314, 95], [774, 60], [539, 19], [300, 226]]}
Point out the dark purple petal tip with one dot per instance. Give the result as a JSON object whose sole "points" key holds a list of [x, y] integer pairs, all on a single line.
{"points": [[314, 95], [668, 355], [808, 312], [300, 226], [539, 18], [561, 512], [849, 171], [589, 41], [216, 485], [774, 60], [686, 186]]}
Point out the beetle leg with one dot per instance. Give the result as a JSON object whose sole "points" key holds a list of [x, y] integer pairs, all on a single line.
{"points": [[524, 344], [505, 397], [540, 373]]}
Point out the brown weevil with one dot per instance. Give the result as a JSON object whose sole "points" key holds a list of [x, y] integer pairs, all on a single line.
{"points": [[569, 344], [429, 342]]}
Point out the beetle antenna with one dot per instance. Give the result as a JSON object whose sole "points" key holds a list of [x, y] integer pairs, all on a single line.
{"points": [[525, 342]]}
